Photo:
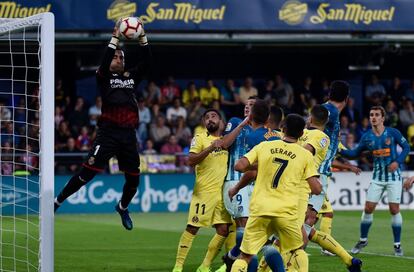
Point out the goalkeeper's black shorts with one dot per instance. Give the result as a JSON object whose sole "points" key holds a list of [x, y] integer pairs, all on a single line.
{"points": [[118, 142]]}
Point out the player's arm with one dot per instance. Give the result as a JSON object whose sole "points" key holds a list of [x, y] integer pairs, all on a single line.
{"points": [[103, 69], [315, 185], [408, 183], [346, 166], [246, 179], [231, 134], [143, 67], [354, 153], [310, 148], [404, 153], [196, 158]]}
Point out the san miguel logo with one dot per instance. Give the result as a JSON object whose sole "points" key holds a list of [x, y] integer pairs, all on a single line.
{"points": [[294, 12], [121, 9], [9, 9], [185, 12]]}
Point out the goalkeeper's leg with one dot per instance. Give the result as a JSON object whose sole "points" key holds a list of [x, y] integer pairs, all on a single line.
{"points": [[75, 183]]}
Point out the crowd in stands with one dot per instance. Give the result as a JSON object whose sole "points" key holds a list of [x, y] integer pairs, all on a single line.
{"points": [[170, 114]]}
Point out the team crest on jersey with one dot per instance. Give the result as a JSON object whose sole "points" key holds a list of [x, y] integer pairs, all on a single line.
{"points": [[323, 142], [388, 141], [195, 219], [91, 161], [228, 127], [127, 74]]}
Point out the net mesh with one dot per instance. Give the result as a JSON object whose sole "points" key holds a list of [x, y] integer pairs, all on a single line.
{"points": [[20, 142]]}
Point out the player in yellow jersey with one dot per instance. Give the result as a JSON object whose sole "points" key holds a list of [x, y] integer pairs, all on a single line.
{"points": [[206, 207], [281, 166]]}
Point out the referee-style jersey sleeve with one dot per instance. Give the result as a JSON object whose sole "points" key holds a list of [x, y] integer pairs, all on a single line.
{"points": [[252, 155], [196, 144]]}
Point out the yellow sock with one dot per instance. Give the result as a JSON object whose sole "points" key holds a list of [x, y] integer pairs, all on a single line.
{"points": [[213, 249], [239, 266], [326, 225], [183, 247], [298, 261], [327, 242], [231, 238]]}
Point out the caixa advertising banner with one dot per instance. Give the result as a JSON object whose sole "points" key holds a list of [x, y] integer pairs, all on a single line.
{"points": [[224, 15]]}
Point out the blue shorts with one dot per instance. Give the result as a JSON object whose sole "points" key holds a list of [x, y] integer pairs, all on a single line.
{"points": [[377, 188], [316, 201], [240, 205]]}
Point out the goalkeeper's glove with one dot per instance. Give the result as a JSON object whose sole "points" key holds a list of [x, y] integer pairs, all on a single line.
{"points": [[142, 39]]}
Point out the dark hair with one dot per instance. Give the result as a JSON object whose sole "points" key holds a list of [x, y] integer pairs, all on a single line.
{"points": [[380, 108], [339, 91], [294, 125], [253, 97], [320, 115], [276, 114], [210, 110], [260, 111]]}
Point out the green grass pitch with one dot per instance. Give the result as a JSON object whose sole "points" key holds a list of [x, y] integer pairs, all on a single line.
{"points": [[99, 243]]}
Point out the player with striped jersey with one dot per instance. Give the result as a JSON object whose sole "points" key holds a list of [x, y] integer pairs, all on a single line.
{"points": [[382, 142]]}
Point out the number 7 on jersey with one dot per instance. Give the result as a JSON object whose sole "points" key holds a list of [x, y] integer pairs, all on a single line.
{"points": [[280, 167]]}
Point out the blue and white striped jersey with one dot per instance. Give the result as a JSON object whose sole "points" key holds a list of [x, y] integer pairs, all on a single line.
{"points": [[384, 151], [332, 130]]}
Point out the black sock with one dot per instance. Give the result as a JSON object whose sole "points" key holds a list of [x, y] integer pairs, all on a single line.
{"points": [[130, 188], [72, 187]]}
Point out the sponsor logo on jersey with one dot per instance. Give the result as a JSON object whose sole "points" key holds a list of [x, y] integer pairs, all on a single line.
{"points": [[119, 83], [120, 9], [323, 142], [385, 152]]}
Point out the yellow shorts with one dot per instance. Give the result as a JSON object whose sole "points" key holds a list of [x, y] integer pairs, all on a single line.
{"points": [[259, 228], [207, 210], [326, 206]]}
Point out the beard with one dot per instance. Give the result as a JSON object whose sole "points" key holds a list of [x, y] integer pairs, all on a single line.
{"points": [[212, 127]]}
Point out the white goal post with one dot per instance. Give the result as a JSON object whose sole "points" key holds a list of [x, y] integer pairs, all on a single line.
{"points": [[27, 50]]}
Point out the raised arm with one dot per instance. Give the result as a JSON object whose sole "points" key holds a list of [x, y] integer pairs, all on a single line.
{"points": [[195, 158], [103, 69], [232, 133], [354, 153]]}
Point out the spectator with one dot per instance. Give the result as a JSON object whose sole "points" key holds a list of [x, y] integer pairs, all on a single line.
{"points": [[324, 91], [155, 112], [345, 129], [247, 90], [409, 93], [375, 92], [79, 116], [169, 91], [171, 147], [351, 144], [69, 164], [216, 105], [152, 94], [83, 142], [95, 111], [144, 120], [149, 148], [58, 116], [407, 114], [391, 115], [304, 95], [362, 128], [20, 117], [175, 111], [195, 111], [181, 131], [7, 134], [396, 91], [209, 93], [351, 112], [62, 135], [5, 112], [159, 132], [6, 159], [268, 92], [230, 99], [59, 92], [283, 93], [190, 93], [29, 161]]}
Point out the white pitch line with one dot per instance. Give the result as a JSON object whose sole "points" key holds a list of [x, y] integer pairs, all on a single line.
{"points": [[373, 254]]}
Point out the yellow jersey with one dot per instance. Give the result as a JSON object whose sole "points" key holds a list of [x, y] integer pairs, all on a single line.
{"points": [[282, 167], [210, 173], [320, 142]]}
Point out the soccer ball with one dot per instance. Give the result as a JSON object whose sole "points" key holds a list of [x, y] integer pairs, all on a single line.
{"points": [[131, 27]]}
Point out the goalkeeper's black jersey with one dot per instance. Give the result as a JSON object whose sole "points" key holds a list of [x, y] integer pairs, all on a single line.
{"points": [[119, 103]]}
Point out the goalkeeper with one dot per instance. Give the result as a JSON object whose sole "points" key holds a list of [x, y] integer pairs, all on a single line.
{"points": [[117, 124]]}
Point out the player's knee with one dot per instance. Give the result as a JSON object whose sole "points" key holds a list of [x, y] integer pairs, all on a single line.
{"points": [[394, 209], [85, 174], [311, 218], [192, 229], [222, 230], [132, 180]]}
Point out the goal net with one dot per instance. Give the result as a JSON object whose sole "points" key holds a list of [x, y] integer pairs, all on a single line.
{"points": [[27, 143]]}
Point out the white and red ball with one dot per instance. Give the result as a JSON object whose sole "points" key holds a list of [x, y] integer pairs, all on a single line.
{"points": [[131, 27]]}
